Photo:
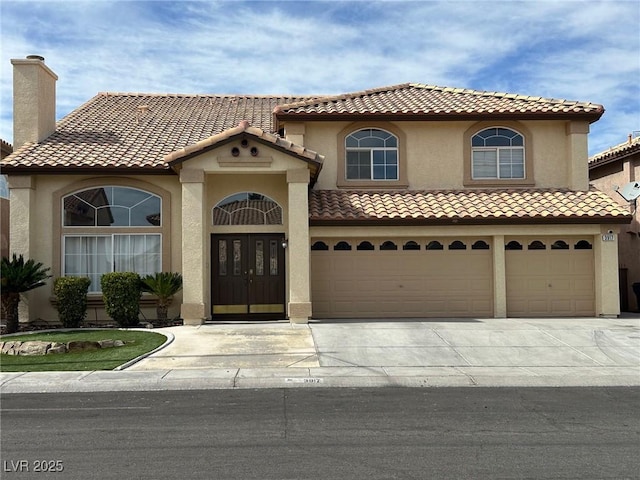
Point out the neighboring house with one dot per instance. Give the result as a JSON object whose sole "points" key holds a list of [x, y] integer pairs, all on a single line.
{"points": [[5, 150], [610, 171], [403, 201]]}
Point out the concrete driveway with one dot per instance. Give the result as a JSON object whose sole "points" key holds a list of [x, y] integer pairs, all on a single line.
{"points": [[570, 348], [555, 352]]}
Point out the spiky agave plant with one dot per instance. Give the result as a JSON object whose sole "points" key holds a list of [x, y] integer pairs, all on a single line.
{"points": [[19, 276], [163, 285]]}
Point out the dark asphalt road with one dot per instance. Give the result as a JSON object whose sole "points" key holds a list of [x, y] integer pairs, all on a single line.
{"points": [[474, 433]]}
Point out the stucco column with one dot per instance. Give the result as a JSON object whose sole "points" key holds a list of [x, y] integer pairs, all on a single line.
{"points": [[299, 267], [499, 278], [605, 250], [193, 247], [21, 208], [578, 155]]}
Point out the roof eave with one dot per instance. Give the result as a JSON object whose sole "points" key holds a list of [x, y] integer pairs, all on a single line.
{"points": [[469, 221], [440, 116], [62, 170]]}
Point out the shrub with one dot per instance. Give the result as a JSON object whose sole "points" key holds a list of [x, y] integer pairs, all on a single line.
{"points": [[72, 300], [163, 285], [121, 294], [16, 277]]}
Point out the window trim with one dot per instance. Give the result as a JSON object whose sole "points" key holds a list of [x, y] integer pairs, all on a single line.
{"points": [[57, 252], [518, 127], [343, 182]]}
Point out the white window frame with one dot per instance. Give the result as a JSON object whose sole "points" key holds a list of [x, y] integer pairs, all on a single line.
{"points": [[498, 151], [371, 151]]}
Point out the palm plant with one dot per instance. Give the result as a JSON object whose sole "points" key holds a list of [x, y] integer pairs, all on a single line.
{"points": [[18, 277], [163, 285]]}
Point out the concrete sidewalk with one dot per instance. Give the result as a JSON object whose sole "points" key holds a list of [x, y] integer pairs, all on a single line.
{"points": [[413, 353]]}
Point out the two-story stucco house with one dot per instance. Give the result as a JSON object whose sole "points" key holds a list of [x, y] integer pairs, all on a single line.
{"points": [[611, 171], [403, 201]]}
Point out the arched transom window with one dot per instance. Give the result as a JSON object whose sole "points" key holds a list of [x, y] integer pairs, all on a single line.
{"points": [[247, 208], [112, 207], [371, 154], [497, 153]]}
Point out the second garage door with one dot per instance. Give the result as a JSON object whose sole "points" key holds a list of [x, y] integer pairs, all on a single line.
{"points": [[549, 277], [378, 278]]}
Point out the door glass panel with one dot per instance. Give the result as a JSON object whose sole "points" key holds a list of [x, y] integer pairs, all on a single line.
{"points": [[237, 257], [273, 257], [222, 257], [259, 257]]}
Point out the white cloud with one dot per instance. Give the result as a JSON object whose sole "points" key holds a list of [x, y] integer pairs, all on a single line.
{"points": [[585, 50]]}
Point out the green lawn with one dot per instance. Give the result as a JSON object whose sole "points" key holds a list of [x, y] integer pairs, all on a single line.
{"points": [[136, 344]]}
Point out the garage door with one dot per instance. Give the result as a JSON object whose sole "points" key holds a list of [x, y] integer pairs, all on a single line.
{"points": [[380, 278], [549, 277]]}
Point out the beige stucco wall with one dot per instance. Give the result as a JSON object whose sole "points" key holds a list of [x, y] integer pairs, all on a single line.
{"points": [[435, 152], [42, 241]]}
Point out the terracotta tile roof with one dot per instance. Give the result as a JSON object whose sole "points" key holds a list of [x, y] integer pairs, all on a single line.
{"points": [[134, 132], [463, 206], [412, 99], [631, 146]]}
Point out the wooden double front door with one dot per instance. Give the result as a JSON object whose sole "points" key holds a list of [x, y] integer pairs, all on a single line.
{"points": [[247, 276]]}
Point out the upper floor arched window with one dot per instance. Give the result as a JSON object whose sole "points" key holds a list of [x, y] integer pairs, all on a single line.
{"points": [[247, 208], [112, 206], [497, 153], [371, 154]]}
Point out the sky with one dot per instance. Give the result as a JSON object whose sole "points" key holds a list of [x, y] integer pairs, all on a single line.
{"points": [[565, 49]]}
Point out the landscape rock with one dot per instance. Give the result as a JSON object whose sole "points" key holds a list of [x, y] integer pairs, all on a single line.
{"points": [[82, 346], [11, 347], [57, 347], [34, 348]]}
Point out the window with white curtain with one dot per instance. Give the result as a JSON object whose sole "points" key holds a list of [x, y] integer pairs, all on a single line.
{"points": [[497, 153], [89, 252]]}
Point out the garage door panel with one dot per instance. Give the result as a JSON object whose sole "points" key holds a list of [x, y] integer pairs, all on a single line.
{"points": [[549, 282], [401, 283]]}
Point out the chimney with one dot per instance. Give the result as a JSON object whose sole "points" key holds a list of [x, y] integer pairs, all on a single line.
{"points": [[34, 100]]}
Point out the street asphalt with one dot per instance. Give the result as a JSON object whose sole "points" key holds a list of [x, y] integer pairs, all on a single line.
{"points": [[554, 352]]}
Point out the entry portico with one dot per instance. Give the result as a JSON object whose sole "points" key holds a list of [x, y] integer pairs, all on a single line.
{"points": [[244, 159]]}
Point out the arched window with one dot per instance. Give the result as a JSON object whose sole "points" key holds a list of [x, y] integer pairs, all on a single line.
{"points": [[457, 245], [247, 208], [537, 245], [371, 154], [513, 245], [583, 245], [365, 246], [342, 245], [388, 245], [411, 245], [89, 252], [559, 245], [480, 245], [434, 245], [112, 206], [497, 153], [319, 246]]}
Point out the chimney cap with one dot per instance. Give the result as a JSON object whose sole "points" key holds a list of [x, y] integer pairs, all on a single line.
{"points": [[35, 57]]}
